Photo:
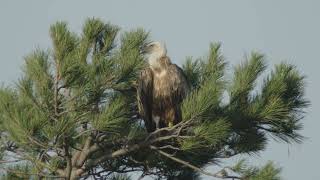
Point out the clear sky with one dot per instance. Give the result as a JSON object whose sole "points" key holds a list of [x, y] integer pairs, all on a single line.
{"points": [[283, 30]]}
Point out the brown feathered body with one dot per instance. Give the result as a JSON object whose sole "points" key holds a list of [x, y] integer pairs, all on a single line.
{"points": [[161, 90]]}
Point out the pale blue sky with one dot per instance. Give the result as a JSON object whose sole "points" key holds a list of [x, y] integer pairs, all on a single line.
{"points": [[283, 30]]}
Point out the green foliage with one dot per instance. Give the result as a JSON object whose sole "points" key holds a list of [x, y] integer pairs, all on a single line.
{"points": [[129, 58], [279, 105], [20, 119], [201, 103], [214, 68], [244, 79], [120, 177], [208, 69], [114, 118], [192, 70], [63, 41], [267, 172], [204, 102], [207, 134], [18, 172]]}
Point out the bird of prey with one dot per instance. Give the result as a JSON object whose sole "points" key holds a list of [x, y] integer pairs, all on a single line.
{"points": [[162, 86]]}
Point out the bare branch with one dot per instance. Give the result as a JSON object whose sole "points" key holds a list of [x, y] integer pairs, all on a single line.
{"points": [[169, 147], [192, 166], [10, 161]]}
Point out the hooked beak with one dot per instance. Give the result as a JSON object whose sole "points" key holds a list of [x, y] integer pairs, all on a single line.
{"points": [[143, 49]]}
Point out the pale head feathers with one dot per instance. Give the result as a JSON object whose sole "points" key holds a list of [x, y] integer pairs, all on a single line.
{"points": [[154, 52]]}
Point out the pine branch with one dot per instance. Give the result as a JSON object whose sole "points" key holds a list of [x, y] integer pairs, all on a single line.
{"points": [[29, 174]]}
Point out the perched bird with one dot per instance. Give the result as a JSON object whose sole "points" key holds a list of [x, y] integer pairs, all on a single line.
{"points": [[162, 86]]}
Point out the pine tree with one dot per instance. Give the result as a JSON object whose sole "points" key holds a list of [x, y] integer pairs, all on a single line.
{"points": [[73, 113]]}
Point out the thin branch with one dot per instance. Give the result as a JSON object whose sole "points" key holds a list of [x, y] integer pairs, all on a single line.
{"points": [[267, 129], [79, 159], [169, 147], [82, 133], [141, 176], [68, 158], [10, 161], [192, 166], [178, 127], [118, 153], [37, 143], [56, 86]]}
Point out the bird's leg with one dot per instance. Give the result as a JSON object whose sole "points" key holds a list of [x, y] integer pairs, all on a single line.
{"points": [[170, 117], [156, 120]]}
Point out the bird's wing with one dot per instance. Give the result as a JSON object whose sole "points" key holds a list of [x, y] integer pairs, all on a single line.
{"points": [[144, 97], [179, 84]]}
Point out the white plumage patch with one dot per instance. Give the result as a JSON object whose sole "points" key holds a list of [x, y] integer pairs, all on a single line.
{"points": [[153, 61], [161, 74]]}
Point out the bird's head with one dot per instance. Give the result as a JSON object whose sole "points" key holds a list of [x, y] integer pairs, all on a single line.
{"points": [[155, 49], [153, 53]]}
